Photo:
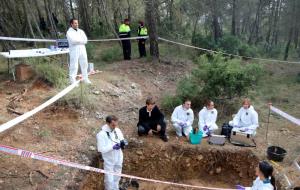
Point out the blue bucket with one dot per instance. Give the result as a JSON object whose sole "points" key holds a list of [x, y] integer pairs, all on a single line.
{"points": [[196, 138]]}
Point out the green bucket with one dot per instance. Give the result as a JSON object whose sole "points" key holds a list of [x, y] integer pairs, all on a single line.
{"points": [[196, 138]]}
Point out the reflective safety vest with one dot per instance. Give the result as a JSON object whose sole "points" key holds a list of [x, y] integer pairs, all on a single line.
{"points": [[124, 30], [142, 31]]}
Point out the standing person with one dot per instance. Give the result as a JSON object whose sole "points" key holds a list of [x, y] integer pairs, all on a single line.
{"points": [[124, 32], [265, 179], [142, 31], [246, 120], [109, 143], [182, 119], [77, 40], [208, 118], [151, 120]]}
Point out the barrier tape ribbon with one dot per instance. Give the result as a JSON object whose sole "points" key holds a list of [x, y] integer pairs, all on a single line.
{"points": [[285, 115], [145, 37], [41, 157], [54, 40]]}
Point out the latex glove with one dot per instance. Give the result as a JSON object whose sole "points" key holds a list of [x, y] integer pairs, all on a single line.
{"points": [[208, 133], [244, 129], [239, 187], [116, 146], [181, 124], [205, 128], [187, 123]]}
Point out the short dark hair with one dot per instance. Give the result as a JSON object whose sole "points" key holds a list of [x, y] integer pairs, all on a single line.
{"points": [[208, 102], [72, 20], [150, 101], [186, 100], [111, 118]]}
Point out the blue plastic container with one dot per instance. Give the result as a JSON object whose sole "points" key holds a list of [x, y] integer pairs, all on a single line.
{"points": [[196, 138]]}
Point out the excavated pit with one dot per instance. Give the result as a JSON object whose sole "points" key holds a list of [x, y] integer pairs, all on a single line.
{"points": [[195, 165]]}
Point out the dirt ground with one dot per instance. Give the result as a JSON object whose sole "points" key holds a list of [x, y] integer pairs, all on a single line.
{"points": [[121, 88]]}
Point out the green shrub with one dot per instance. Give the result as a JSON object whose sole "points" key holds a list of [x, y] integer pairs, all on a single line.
{"points": [[169, 102], [52, 73], [222, 78], [112, 54], [206, 42], [229, 44], [90, 51], [247, 51], [218, 78]]}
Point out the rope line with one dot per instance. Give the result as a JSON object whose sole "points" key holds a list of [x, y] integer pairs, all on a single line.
{"points": [[145, 37]]}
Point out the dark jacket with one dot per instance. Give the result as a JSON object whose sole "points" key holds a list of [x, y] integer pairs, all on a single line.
{"points": [[156, 116]]}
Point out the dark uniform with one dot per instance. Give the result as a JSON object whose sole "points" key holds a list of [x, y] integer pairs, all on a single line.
{"points": [[124, 32], [142, 31], [150, 120]]}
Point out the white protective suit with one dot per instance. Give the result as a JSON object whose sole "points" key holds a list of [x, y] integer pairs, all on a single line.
{"points": [[77, 40], [246, 120], [113, 159], [183, 117], [208, 118], [260, 185]]}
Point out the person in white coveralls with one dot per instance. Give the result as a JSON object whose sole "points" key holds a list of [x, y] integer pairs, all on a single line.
{"points": [[109, 143], [77, 40], [265, 179], [208, 118], [182, 119], [246, 120]]}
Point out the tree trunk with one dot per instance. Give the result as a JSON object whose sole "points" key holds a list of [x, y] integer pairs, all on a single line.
{"points": [[171, 15], [296, 38], [28, 19], [50, 19], [36, 24], [290, 36], [102, 5], [151, 19], [129, 10], [115, 14], [66, 11], [276, 21], [270, 22], [71, 9], [233, 21], [217, 31], [83, 12], [195, 26], [254, 32]]}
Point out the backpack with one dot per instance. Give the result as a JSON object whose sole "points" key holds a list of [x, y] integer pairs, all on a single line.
{"points": [[226, 130]]}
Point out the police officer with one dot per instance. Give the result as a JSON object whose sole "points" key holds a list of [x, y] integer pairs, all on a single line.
{"points": [[124, 32], [142, 31]]}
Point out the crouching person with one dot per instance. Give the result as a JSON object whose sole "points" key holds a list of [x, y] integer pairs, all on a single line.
{"points": [[246, 120], [265, 179], [151, 120], [208, 118], [182, 119], [110, 142]]}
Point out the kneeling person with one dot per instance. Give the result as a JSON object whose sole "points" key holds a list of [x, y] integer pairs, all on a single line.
{"points": [[246, 120], [151, 120], [208, 118], [182, 119], [110, 142]]}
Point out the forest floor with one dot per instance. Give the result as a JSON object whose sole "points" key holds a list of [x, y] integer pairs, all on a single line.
{"points": [[120, 89]]}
